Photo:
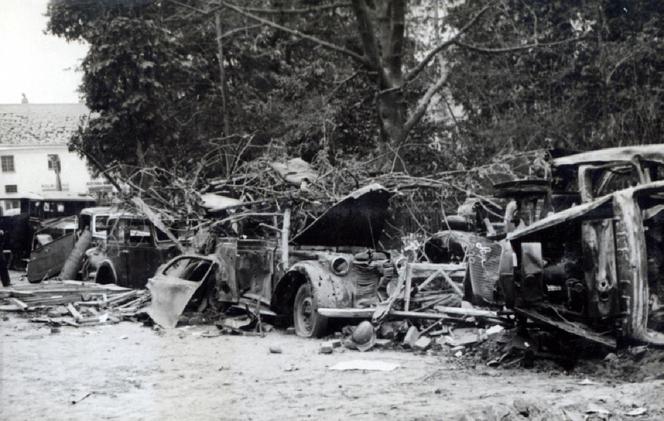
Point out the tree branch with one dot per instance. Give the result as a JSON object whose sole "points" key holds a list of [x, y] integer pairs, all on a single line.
{"points": [[422, 106], [238, 30], [489, 50], [422, 64], [297, 33], [300, 10], [195, 9], [367, 33]]}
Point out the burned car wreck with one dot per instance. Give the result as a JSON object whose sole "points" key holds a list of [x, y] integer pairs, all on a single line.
{"points": [[332, 263], [595, 269], [581, 250]]}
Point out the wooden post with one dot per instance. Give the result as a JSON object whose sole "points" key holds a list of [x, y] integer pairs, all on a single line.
{"points": [[285, 232], [406, 293]]}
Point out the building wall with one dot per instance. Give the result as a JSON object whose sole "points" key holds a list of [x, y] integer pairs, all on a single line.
{"points": [[32, 175]]}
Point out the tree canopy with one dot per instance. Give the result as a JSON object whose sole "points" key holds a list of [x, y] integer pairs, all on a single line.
{"points": [[418, 87]]}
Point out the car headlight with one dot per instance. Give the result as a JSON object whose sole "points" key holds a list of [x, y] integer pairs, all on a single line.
{"points": [[340, 265]]}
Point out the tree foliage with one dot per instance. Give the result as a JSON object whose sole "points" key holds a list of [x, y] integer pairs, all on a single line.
{"points": [[603, 90]]}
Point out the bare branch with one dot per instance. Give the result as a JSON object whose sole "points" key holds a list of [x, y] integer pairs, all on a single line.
{"points": [[232, 32], [422, 106], [340, 84], [300, 10], [500, 50], [367, 33], [297, 33], [195, 9], [422, 64]]}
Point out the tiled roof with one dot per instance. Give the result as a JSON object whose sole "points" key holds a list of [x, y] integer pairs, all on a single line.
{"points": [[39, 124]]}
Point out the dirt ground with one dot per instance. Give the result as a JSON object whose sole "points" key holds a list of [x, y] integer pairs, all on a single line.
{"points": [[131, 372]]}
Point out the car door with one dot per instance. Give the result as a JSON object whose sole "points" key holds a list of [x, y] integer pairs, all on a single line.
{"points": [[224, 275], [182, 280], [139, 256], [46, 260]]}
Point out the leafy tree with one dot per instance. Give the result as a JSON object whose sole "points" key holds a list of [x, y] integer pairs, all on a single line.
{"points": [[603, 90]]}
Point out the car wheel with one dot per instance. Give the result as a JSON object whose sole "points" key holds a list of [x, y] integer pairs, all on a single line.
{"points": [[308, 323]]}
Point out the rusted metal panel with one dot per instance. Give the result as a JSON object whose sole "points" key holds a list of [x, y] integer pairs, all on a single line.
{"points": [[600, 272], [356, 220], [46, 261], [633, 266], [226, 284], [330, 290], [591, 210], [654, 153]]}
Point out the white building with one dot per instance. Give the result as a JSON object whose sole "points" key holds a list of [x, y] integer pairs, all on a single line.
{"points": [[33, 140]]}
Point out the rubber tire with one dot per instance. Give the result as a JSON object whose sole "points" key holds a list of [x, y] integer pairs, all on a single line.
{"points": [[305, 303]]}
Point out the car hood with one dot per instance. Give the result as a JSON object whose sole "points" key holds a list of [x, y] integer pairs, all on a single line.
{"points": [[356, 220]]}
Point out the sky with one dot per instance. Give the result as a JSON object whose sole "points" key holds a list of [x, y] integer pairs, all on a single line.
{"points": [[31, 62]]}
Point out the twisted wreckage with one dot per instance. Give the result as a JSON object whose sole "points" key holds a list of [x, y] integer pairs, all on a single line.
{"points": [[580, 249]]}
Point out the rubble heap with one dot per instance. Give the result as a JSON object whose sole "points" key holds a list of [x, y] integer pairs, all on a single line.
{"points": [[74, 303]]}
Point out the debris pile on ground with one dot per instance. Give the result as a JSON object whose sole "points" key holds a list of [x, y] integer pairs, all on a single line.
{"points": [[74, 303]]}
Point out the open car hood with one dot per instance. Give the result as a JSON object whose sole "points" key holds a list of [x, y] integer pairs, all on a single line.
{"points": [[356, 220]]}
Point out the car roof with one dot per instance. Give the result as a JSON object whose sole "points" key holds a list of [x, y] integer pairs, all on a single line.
{"points": [[107, 210], [652, 153]]}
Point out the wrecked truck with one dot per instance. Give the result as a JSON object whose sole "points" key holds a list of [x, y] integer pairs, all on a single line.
{"points": [[332, 263], [595, 269], [582, 251]]}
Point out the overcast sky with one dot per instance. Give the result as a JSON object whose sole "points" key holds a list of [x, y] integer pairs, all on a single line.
{"points": [[43, 66]]}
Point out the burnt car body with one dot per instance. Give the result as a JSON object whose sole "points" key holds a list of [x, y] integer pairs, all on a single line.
{"points": [[582, 250], [133, 250], [595, 269], [332, 263]]}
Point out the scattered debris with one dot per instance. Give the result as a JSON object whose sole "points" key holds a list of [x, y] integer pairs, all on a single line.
{"points": [[422, 343], [74, 402], [75, 303], [363, 337], [275, 349], [411, 337], [596, 409], [637, 412]]}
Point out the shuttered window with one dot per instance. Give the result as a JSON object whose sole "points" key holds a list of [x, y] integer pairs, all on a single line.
{"points": [[7, 163]]}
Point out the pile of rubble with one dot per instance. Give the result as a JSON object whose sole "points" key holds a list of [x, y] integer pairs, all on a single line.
{"points": [[74, 303]]}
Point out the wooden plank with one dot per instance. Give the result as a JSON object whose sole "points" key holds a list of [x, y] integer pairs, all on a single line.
{"points": [[20, 304], [74, 312], [453, 284], [409, 287], [429, 279], [354, 313], [471, 312]]}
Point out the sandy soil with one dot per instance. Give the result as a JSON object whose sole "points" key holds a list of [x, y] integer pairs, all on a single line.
{"points": [[132, 372]]}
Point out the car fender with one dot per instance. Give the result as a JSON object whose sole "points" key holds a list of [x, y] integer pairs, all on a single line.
{"points": [[330, 291], [106, 263]]}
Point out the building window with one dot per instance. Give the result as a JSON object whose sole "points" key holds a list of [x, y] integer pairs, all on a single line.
{"points": [[53, 162], [7, 162], [11, 188]]}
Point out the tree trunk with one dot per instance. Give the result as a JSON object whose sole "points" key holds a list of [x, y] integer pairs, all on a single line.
{"points": [[392, 115]]}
